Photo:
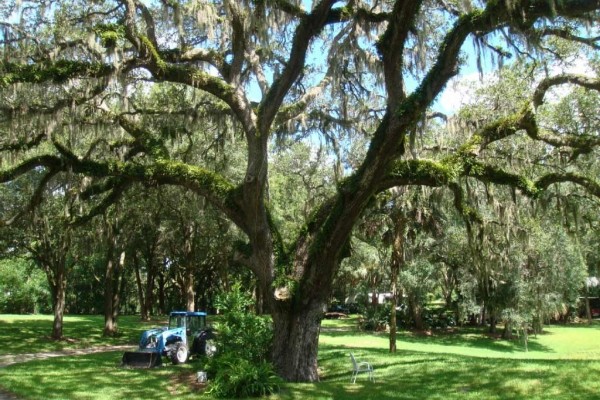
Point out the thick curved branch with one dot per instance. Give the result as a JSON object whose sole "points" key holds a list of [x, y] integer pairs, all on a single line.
{"points": [[495, 175], [212, 57], [149, 143], [524, 120], [350, 12], [44, 161], [115, 194], [238, 43], [391, 48], [216, 189], [22, 145], [199, 79], [310, 26], [289, 8], [588, 184], [579, 80], [495, 16], [35, 199], [593, 42], [291, 111]]}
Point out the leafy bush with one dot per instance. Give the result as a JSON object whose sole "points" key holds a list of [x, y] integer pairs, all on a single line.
{"points": [[240, 367], [238, 377]]}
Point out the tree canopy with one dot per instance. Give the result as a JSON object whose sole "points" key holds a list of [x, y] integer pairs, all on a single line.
{"points": [[200, 94]]}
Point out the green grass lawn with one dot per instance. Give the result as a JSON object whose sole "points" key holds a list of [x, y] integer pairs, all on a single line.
{"points": [[563, 363], [31, 333]]}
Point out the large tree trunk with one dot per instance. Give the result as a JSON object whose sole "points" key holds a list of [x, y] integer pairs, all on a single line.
{"points": [[296, 342]]}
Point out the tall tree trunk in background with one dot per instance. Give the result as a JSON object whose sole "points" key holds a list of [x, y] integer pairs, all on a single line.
{"points": [[396, 265], [120, 286], [507, 333], [109, 323], [588, 309], [190, 298], [188, 274], [111, 293], [415, 312], [140, 288], [58, 286], [149, 291], [161, 293], [109, 281], [51, 253], [493, 321]]}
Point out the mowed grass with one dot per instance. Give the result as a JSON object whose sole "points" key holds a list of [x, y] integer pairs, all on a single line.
{"points": [[564, 363], [31, 333]]}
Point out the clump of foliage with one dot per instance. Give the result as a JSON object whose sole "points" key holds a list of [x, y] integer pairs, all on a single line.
{"points": [[23, 289], [375, 318], [241, 367]]}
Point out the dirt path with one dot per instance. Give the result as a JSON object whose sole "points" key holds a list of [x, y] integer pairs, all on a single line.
{"points": [[10, 359]]}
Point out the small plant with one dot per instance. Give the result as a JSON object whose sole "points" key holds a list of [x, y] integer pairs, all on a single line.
{"points": [[240, 367]]}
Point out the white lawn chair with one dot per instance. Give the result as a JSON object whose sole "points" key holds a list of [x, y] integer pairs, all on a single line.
{"points": [[358, 367]]}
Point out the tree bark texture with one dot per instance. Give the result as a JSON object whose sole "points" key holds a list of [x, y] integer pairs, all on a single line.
{"points": [[295, 346]]}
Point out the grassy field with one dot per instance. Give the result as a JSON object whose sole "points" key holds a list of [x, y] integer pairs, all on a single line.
{"points": [[563, 363]]}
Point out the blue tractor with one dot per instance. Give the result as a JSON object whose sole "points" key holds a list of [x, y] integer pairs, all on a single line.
{"points": [[186, 335]]}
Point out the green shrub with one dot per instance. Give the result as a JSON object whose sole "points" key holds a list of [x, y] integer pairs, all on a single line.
{"points": [[238, 377], [242, 332], [240, 367]]}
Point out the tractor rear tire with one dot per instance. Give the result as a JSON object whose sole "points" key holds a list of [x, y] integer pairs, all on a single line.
{"points": [[179, 354]]}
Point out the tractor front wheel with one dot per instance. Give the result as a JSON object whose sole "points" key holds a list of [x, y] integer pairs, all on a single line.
{"points": [[179, 354]]}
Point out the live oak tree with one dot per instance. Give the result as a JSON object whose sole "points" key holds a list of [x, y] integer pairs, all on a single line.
{"points": [[75, 76]]}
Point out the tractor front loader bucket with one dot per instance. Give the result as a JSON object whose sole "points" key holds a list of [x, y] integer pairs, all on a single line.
{"points": [[141, 359]]}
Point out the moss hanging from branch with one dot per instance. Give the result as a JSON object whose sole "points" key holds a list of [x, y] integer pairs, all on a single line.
{"points": [[56, 72]]}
